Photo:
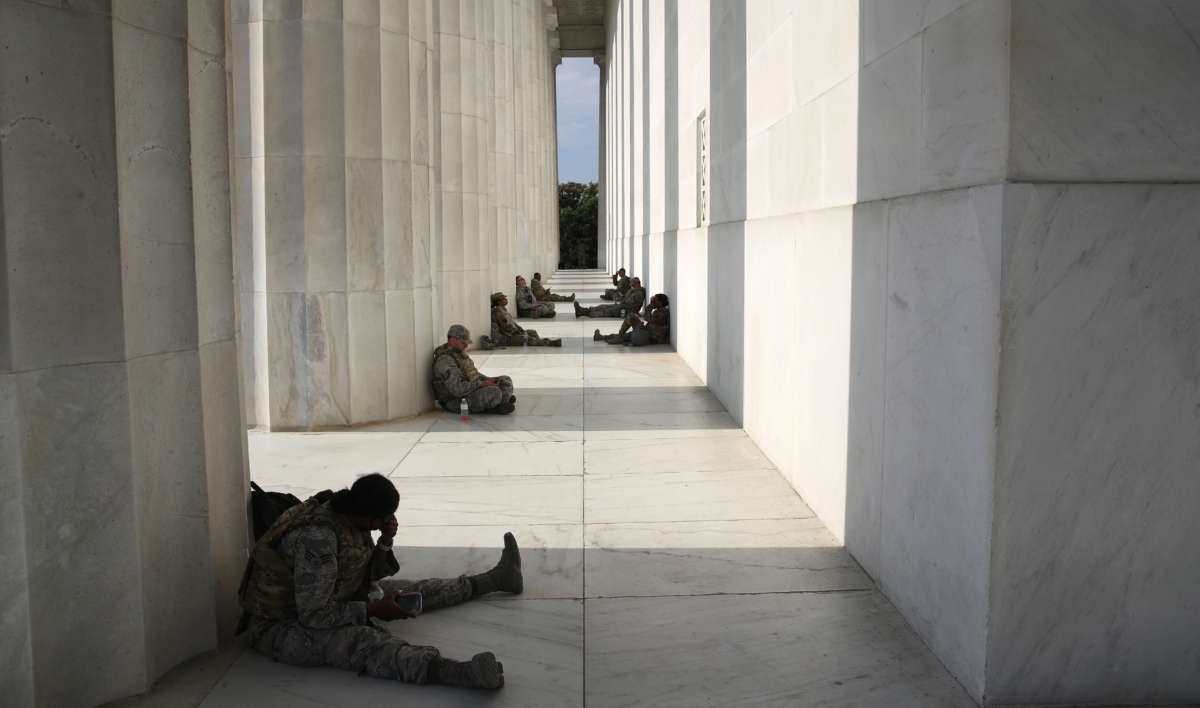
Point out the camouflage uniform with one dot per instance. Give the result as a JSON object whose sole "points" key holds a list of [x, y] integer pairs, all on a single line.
{"points": [[455, 377], [654, 329], [617, 293], [506, 331], [528, 306], [544, 295], [329, 583], [632, 302]]}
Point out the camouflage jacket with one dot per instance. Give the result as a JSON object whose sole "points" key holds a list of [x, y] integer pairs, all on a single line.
{"points": [[539, 291], [658, 321], [525, 299], [454, 374], [315, 566], [503, 323], [622, 283], [633, 300]]}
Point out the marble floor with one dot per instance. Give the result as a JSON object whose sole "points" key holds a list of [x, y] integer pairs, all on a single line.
{"points": [[666, 560]]}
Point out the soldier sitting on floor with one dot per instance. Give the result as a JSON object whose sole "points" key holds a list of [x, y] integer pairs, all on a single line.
{"points": [[507, 333], [455, 378], [636, 331], [621, 283], [541, 293], [315, 582], [632, 302], [527, 304]]}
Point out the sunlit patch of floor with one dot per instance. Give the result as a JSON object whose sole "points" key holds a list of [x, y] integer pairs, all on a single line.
{"points": [[667, 562]]}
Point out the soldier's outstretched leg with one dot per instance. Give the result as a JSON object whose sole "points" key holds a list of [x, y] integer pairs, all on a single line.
{"points": [[488, 399]]}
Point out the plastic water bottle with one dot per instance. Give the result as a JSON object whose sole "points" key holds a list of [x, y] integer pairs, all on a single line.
{"points": [[464, 410]]}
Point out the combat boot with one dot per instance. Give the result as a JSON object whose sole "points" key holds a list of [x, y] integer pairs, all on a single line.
{"points": [[596, 336], [482, 671], [485, 342], [504, 408], [572, 297], [578, 310], [555, 342], [506, 576]]}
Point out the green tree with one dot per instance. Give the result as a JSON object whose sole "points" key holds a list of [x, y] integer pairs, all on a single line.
{"points": [[578, 215]]}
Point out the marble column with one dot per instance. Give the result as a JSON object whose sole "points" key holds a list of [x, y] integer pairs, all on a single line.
{"points": [[121, 428], [601, 164]]}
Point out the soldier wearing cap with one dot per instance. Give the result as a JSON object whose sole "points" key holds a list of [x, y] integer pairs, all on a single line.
{"points": [[541, 293], [507, 333], [527, 304], [638, 331], [621, 283], [631, 303], [455, 377]]}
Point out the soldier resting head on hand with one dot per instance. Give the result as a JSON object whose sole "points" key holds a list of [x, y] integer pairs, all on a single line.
{"points": [[316, 584], [638, 331]]}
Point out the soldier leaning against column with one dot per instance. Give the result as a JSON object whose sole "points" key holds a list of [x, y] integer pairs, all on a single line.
{"points": [[309, 584], [507, 333], [632, 302], [541, 293], [455, 378], [636, 331], [528, 305], [621, 286]]}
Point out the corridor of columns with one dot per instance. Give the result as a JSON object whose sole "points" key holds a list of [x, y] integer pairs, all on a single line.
{"points": [[666, 560]]}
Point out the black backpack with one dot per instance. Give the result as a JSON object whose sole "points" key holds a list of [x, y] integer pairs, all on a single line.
{"points": [[266, 507]]}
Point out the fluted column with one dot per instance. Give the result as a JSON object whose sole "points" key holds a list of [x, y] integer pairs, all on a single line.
{"points": [[601, 164], [120, 420]]}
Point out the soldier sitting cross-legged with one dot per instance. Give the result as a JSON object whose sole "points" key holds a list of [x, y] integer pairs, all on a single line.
{"points": [[455, 378], [316, 585]]}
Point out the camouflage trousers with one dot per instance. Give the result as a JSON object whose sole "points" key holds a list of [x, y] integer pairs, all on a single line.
{"points": [[638, 336], [555, 297], [542, 309], [531, 339], [365, 648], [610, 294], [484, 398], [613, 310]]}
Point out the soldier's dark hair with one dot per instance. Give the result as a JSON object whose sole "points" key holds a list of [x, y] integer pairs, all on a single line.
{"points": [[666, 301], [537, 276], [372, 496], [516, 278]]}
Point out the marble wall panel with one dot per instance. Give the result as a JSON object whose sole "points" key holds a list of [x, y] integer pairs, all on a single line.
{"points": [[773, 306], [889, 123], [942, 355], [825, 38], [282, 85], [59, 180], [368, 361], [228, 475], [170, 493], [327, 346], [965, 97], [153, 182], [325, 223], [1121, 101], [864, 416], [81, 534], [283, 228], [886, 24], [323, 83], [1093, 568], [362, 86], [366, 207], [16, 657], [401, 113], [726, 314]]}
